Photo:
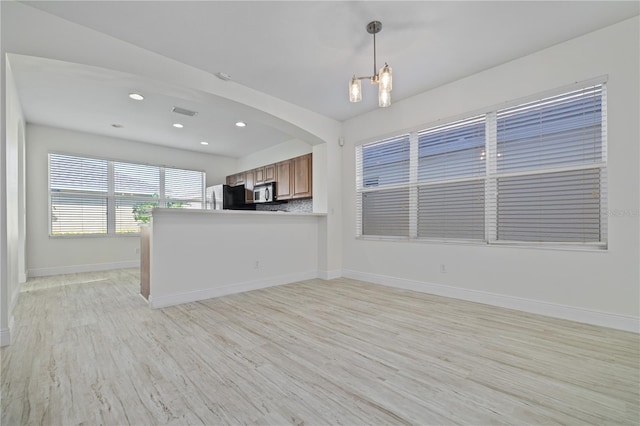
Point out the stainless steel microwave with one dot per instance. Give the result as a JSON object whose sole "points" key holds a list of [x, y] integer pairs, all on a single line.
{"points": [[264, 193]]}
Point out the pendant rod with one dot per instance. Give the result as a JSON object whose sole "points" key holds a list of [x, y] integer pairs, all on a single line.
{"points": [[375, 68]]}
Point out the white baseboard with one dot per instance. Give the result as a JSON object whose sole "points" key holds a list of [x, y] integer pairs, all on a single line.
{"points": [[73, 269], [5, 334], [587, 316], [22, 277], [209, 293], [5, 337], [330, 275], [14, 298]]}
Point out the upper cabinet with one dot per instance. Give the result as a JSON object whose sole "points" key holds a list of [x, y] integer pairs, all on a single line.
{"points": [[270, 173], [265, 174], [237, 179], [301, 169], [259, 175], [292, 177], [283, 180]]}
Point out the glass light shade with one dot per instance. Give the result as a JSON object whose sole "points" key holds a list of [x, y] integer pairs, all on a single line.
{"points": [[385, 78], [384, 97], [355, 90]]}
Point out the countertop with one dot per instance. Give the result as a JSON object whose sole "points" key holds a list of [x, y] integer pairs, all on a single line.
{"points": [[158, 210]]}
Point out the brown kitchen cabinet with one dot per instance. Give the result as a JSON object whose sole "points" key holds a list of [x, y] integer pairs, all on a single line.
{"points": [[270, 173], [301, 186], [265, 174], [293, 178], [259, 175], [236, 179], [283, 180]]}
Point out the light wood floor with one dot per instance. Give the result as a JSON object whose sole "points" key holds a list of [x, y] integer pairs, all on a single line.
{"points": [[87, 350]]}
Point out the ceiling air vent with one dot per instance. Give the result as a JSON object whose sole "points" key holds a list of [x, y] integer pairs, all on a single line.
{"points": [[183, 111]]}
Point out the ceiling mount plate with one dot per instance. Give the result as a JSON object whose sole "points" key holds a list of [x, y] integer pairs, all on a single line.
{"points": [[374, 27]]}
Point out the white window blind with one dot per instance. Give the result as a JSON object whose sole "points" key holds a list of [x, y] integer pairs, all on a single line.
{"points": [[93, 196], [184, 188], [386, 163], [534, 173], [550, 207], [560, 131], [452, 151], [452, 211], [386, 212], [551, 171], [78, 189], [451, 170], [383, 187]]}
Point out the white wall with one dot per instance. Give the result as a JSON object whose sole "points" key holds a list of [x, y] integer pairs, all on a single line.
{"points": [[5, 334], [12, 202], [50, 256], [15, 199], [599, 287], [327, 170], [319, 178], [22, 197], [224, 252], [283, 151]]}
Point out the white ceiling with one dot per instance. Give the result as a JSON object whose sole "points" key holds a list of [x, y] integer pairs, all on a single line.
{"points": [[301, 52], [92, 99]]}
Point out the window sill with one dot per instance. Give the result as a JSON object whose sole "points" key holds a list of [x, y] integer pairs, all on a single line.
{"points": [[80, 236], [589, 248]]}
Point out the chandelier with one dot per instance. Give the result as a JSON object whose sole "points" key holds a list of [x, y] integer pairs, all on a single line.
{"points": [[382, 78]]}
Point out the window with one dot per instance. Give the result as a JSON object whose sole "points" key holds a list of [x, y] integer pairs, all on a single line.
{"points": [[136, 191], [549, 169], [180, 188], [79, 189], [99, 197], [533, 173], [384, 172], [451, 170]]}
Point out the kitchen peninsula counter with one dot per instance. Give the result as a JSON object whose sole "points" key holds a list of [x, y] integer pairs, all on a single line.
{"points": [[186, 212], [200, 254]]}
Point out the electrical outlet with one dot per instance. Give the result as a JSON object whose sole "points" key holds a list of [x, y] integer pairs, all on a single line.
{"points": [[138, 250], [443, 268]]}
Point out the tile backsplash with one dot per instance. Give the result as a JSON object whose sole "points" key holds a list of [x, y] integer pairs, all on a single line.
{"points": [[293, 206]]}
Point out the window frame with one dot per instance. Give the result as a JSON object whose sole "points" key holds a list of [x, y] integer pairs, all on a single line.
{"points": [[491, 176], [111, 196]]}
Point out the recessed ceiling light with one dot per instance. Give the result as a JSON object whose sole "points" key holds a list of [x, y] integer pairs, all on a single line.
{"points": [[241, 124], [178, 125], [117, 126], [136, 96], [204, 143]]}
